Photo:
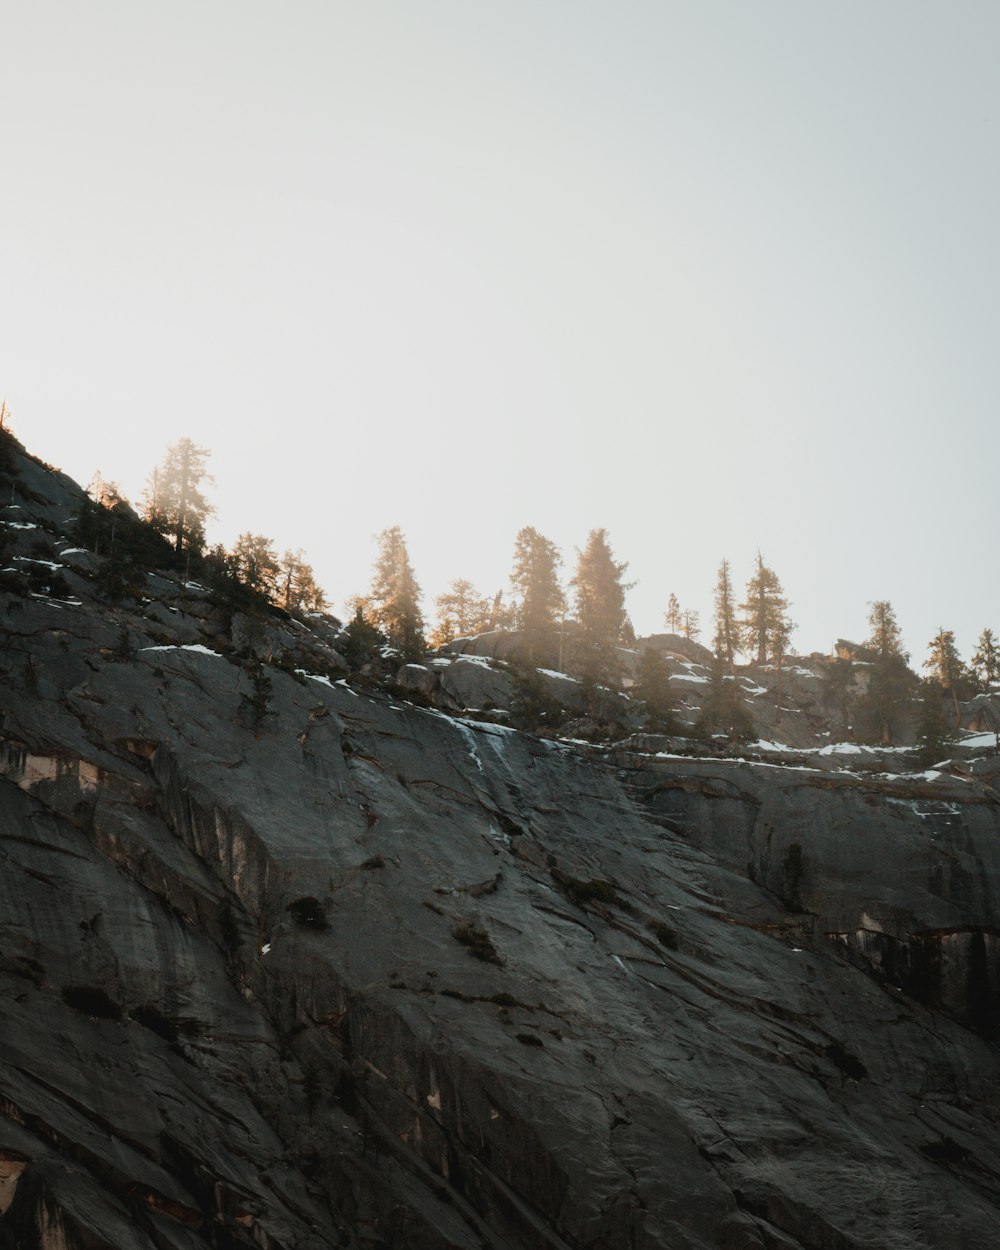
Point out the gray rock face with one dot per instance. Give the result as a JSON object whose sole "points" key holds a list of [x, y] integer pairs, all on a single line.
{"points": [[982, 713], [361, 974]]}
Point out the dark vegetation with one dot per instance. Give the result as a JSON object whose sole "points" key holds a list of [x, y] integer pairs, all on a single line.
{"points": [[307, 913], [477, 942]]}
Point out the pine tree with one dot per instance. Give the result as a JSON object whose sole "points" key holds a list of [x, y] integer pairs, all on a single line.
{"points": [[174, 502], [462, 611], [780, 636], [934, 735], [255, 564], [360, 639], [672, 616], [838, 690], [653, 691], [986, 660], [257, 701], [726, 631], [600, 609], [885, 640], [765, 626], [724, 710], [540, 599], [395, 596], [296, 589], [690, 627], [891, 682], [946, 666]]}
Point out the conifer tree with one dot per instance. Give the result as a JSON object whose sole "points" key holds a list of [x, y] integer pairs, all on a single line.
{"points": [[600, 608], [255, 564], [462, 611], [780, 636], [891, 682], [174, 502], [838, 690], [540, 599], [295, 588], [723, 711], [765, 626], [360, 639], [886, 639], [946, 666], [672, 616], [395, 596], [934, 735], [986, 660], [653, 691], [690, 627], [726, 632]]}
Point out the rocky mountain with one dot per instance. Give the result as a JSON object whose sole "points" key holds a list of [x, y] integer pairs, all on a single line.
{"points": [[292, 961]]}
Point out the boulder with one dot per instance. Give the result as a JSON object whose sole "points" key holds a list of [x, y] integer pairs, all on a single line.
{"points": [[677, 645], [417, 678], [471, 683]]}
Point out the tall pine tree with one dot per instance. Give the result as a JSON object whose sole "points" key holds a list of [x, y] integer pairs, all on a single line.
{"points": [[394, 599], [723, 710], [462, 611], [946, 667], [600, 609], [726, 630], [297, 589], [174, 501], [891, 683], [934, 735], [765, 627], [255, 564], [986, 661], [653, 692], [672, 617], [540, 602]]}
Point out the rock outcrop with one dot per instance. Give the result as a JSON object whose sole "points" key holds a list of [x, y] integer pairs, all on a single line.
{"points": [[331, 969]]}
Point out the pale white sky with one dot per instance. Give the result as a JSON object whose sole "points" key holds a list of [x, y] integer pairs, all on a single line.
{"points": [[712, 275]]}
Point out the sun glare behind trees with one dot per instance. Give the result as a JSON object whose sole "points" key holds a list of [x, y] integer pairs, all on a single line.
{"points": [[872, 686]]}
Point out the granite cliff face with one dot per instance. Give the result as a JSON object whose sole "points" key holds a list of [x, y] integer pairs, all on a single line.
{"points": [[343, 971]]}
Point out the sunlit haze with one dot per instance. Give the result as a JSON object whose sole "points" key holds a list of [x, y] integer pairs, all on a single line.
{"points": [[714, 276]]}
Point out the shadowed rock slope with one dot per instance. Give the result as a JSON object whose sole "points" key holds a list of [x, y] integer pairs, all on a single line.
{"points": [[354, 973]]}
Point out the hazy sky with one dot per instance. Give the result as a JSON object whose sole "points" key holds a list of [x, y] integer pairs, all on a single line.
{"points": [[712, 275]]}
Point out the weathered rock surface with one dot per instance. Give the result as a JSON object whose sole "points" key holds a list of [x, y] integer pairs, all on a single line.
{"points": [[360, 974]]}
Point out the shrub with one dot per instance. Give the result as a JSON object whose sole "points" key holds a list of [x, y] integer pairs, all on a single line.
{"points": [[478, 943], [596, 890]]}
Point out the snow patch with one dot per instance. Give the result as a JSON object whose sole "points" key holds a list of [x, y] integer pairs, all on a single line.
{"points": [[551, 672], [28, 560], [190, 646]]}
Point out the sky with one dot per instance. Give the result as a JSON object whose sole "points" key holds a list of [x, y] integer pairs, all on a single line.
{"points": [[714, 276]]}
